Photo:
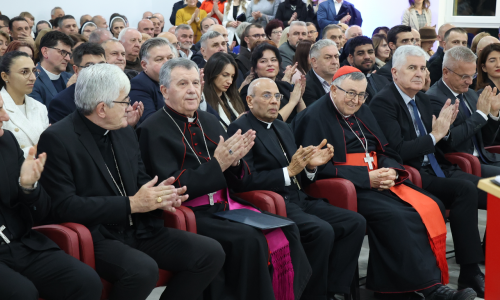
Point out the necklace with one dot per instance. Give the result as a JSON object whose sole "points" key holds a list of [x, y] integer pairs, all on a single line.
{"points": [[187, 142], [294, 178], [368, 159]]}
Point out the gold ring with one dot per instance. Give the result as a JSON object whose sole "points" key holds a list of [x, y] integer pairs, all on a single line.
{"points": [[304, 159], [159, 200]]}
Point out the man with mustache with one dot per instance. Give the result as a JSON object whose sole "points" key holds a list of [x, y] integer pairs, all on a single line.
{"points": [[362, 56], [405, 114]]}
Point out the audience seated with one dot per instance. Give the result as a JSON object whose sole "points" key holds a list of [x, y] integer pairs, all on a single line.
{"points": [[487, 40], [31, 21], [185, 36], [297, 32], [55, 54], [4, 42], [334, 32], [67, 24], [191, 15], [476, 39], [56, 12], [266, 60], [116, 25], [84, 19], [427, 39], [362, 57], [42, 24], [294, 10], [440, 37], [156, 26], [20, 46], [407, 243], [19, 30], [130, 240], [312, 32], [205, 25], [301, 60], [274, 30], [211, 42], [146, 26], [253, 33], [173, 40], [261, 11], [487, 66], [416, 37], [406, 115], [334, 12], [144, 87], [100, 22], [100, 35], [131, 40], [353, 32], [162, 20], [398, 36], [382, 50], [38, 39], [380, 30], [209, 167], [87, 28], [115, 55], [28, 117]]}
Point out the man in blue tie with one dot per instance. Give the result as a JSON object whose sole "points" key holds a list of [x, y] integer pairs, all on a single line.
{"points": [[477, 122], [406, 118]]}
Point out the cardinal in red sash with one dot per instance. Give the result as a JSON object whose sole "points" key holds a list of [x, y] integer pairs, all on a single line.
{"points": [[406, 227]]}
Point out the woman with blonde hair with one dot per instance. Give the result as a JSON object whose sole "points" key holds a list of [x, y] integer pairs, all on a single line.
{"points": [[418, 15], [232, 18], [284, 37]]}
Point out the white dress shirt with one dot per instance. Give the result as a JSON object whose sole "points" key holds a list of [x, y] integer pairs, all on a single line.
{"points": [[324, 83], [184, 55], [338, 5]]}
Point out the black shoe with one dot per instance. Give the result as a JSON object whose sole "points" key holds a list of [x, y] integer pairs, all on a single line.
{"points": [[476, 283], [397, 296], [445, 293]]}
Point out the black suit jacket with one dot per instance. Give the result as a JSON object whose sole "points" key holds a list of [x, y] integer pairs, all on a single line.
{"points": [[146, 90], [244, 60], [386, 71], [464, 128], [19, 211], [266, 160], [376, 83], [314, 89], [436, 68], [62, 105], [199, 60], [395, 120], [81, 188], [438, 53]]}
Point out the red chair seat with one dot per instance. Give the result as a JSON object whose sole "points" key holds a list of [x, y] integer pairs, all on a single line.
{"points": [[338, 191]]}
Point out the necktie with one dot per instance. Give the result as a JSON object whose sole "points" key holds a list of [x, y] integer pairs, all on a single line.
{"points": [[466, 110], [432, 159]]}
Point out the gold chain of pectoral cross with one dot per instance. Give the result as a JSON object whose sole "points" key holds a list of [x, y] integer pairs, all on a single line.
{"points": [[294, 178]]}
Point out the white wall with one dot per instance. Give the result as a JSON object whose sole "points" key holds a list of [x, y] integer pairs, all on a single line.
{"points": [[375, 12]]}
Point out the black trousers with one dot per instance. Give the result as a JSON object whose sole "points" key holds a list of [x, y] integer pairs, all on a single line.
{"points": [[490, 170], [132, 266], [332, 238], [26, 274], [459, 193]]}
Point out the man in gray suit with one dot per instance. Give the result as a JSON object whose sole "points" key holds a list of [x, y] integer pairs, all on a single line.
{"points": [[296, 33], [478, 121]]}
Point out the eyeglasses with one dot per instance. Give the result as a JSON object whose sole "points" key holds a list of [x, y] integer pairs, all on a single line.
{"points": [[464, 76], [27, 73], [256, 36], [312, 32], [91, 64], [350, 95], [63, 53], [127, 103], [277, 32], [268, 97]]}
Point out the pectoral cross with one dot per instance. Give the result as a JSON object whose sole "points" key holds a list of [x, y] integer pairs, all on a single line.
{"points": [[211, 198], [369, 160], [3, 236]]}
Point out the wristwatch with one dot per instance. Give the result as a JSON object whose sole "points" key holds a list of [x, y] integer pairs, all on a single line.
{"points": [[27, 189]]}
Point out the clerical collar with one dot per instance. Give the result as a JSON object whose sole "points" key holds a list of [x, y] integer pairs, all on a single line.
{"points": [[454, 94], [96, 130], [406, 98], [52, 76], [267, 124], [338, 109], [181, 117]]}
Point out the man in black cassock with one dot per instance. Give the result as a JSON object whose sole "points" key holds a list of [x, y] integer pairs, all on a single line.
{"points": [[405, 255], [331, 236], [96, 177], [192, 146]]}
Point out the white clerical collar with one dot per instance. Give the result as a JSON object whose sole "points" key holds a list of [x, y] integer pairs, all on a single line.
{"points": [[52, 76], [106, 132], [191, 120], [454, 94], [337, 108], [268, 124]]}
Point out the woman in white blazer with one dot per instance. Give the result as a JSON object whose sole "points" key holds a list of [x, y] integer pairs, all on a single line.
{"points": [[229, 21], [418, 15], [28, 117]]}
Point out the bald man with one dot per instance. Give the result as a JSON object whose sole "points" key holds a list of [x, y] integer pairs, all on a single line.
{"points": [[147, 15], [353, 32], [172, 29], [440, 37], [85, 18], [171, 38], [485, 41], [146, 26], [100, 21]]}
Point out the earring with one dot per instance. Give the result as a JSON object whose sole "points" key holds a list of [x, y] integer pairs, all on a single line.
{"points": [[6, 81]]}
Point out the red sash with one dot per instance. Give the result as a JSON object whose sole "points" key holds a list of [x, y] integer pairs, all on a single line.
{"points": [[426, 207]]}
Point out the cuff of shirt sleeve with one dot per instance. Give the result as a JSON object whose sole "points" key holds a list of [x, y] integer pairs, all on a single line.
{"points": [[433, 139], [288, 182], [482, 114], [311, 175], [494, 118]]}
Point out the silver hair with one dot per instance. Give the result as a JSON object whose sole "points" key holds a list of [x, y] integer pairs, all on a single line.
{"points": [[241, 29], [121, 36], [208, 36], [154, 42], [113, 40], [99, 83], [402, 53], [328, 28], [169, 66], [206, 18], [458, 55], [347, 31], [95, 36], [316, 47], [356, 76], [182, 27], [53, 11], [298, 23], [252, 85]]}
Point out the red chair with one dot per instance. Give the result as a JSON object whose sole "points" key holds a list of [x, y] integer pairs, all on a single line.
{"points": [[266, 201], [493, 149], [467, 162]]}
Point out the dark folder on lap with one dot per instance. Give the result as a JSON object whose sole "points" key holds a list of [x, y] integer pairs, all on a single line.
{"points": [[254, 219]]}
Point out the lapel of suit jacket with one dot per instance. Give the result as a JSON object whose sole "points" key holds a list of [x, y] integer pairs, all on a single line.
{"points": [[331, 7], [471, 101], [404, 107], [318, 85], [89, 144], [267, 139], [44, 78], [124, 163], [426, 118], [449, 95]]}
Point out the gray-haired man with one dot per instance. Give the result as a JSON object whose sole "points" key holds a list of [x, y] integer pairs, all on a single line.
{"points": [[296, 33], [211, 42]]}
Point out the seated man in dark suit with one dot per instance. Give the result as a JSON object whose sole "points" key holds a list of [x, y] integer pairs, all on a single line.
{"points": [[362, 56], [277, 165], [211, 42], [145, 87], [405, 115], [95, 176], [477, 122], [55, 52], [32, 265], [397, 36], [324, 63], [252, 34], [454, 37]]}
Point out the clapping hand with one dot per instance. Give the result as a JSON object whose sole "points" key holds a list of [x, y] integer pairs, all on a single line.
{"points": [[300, 160], [293, 18], [484, 101], [180, 192], [322, 156], [150, 197], [32, 168], [296, 94], [134, 113], [302, 82], [495, 102], [202, 79], [427, 81], [441, 124], [289, 71], [229, 152]]}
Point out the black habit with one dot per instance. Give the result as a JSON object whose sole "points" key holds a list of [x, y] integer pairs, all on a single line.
{"points": [[80, 176], [401, 258], [331, 236], [165, 153], [31, 265]]}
